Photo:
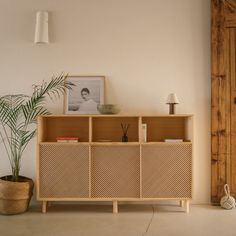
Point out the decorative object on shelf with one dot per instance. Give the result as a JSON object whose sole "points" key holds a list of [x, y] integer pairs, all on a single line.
{"points": [[108, 109], [18, 115], [85, 96], [172, 100], [104, 140], [227, 202], [144, 133], [41, 28], [173, 140], [68, 139], [125, 128]]}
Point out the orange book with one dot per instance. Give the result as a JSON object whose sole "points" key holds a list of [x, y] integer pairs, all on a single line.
{"points": [[68, 139]]}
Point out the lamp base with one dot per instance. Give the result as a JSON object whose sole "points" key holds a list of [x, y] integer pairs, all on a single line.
{"points": [[172, 108]]}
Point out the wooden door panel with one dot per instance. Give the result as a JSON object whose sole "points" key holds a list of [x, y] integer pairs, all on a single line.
{"points": [[232, 170], [232, 161], [115, 171], [167, 170], [223, 130], [64, 171], [232, 69]]}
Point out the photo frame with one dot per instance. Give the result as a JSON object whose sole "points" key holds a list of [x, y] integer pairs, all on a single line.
{"points": [[86, 94]]}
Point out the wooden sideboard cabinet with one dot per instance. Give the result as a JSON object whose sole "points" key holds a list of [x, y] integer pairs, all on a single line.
{"points": [[103, 168]]}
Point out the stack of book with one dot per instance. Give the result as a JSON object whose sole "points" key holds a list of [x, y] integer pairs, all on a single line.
{"points": [[173, 140], [68, 139]]}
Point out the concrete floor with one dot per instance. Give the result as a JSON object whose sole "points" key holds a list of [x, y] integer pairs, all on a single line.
{"points": [[132, 220]]}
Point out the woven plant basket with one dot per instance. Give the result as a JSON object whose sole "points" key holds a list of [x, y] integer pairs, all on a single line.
{"points": [[15, 196]]}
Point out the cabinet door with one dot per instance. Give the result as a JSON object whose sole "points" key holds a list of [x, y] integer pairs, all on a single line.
{"points": [[63, 171], [167, 170], [115, 171]]}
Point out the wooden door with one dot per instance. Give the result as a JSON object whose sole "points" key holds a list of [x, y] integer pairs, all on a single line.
{"points": [[223, 155], [232, 161]]}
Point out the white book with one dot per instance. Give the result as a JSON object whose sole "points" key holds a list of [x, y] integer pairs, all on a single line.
{"points": [[173, 140], [144, 133], [67, 141], [62, 141]]}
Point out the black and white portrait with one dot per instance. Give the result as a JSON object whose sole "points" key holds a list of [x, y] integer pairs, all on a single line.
{"points": [[86, 94]]}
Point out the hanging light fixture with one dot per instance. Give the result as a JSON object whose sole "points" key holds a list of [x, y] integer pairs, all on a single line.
{"points": [[41, 28]]}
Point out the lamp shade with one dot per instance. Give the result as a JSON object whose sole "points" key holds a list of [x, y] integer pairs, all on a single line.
{"points": [[41, 27], [172, 99]]}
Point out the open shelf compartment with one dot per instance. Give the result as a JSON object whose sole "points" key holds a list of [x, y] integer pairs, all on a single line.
{"points": [[161, 128], [109, 129], [53, 127]]}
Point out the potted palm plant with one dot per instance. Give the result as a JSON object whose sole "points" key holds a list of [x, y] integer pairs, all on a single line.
{"points": [[18, 116]]}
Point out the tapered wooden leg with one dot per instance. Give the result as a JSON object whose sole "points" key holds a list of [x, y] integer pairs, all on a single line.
{"points": [[181, 203], [187, 206], [44, 206], [115, 206]]}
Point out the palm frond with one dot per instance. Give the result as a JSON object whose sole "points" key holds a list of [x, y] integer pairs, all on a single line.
{"points": [[19, 112], [10, 109], [54, 89]]}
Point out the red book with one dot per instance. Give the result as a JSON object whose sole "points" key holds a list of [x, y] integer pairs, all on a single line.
{"points": [[68, 139]]}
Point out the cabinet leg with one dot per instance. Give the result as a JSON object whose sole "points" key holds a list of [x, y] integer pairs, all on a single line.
{"points": [[44, 206], [115, 206], [181, 203], [187, 206]]}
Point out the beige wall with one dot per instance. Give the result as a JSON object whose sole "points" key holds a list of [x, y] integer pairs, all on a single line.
{"points": [[146, 48]]}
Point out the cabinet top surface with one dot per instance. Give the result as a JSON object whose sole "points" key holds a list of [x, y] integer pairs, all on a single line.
{"points": [[120, 115]]}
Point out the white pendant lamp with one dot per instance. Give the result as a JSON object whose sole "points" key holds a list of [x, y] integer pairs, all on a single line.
{"points": [[41, 28]]}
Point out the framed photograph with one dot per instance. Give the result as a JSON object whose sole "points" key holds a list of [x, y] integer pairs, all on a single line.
{"points": [[86, 94]]}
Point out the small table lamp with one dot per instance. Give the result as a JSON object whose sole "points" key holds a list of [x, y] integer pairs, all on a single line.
{"points": [[172, 100]]}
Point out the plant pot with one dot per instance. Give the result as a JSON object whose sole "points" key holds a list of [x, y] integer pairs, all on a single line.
{"points": [[15, 196]]}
